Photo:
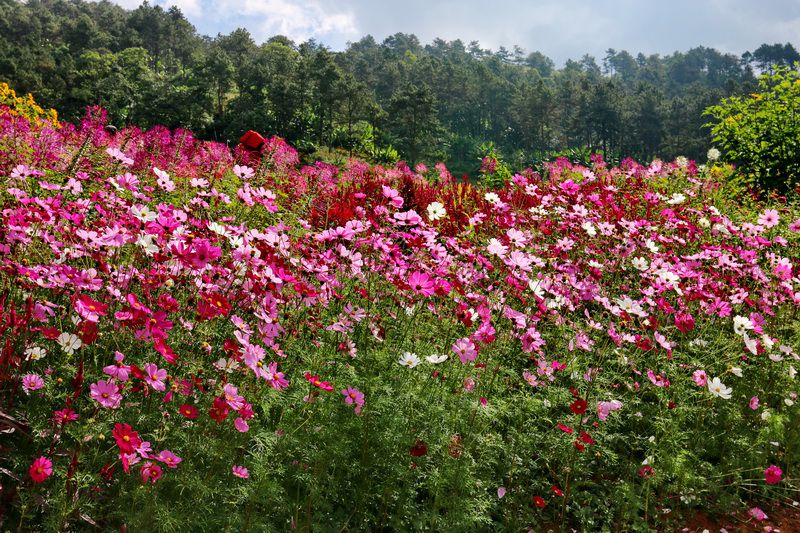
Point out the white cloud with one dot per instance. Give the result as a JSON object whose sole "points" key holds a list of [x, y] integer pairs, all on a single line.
{"points": [[298, 20]]}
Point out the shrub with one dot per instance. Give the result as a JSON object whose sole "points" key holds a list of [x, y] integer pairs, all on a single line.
{"points": [[761, 133]]}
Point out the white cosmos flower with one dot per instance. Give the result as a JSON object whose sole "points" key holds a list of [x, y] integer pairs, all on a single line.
{"points": [[536, 286], [792, 372], [491, 197], [436, 359], [676, 199], [741, 324], [765, 414], [704, 223], [651, 245], [145, 240], [717, 388], [69, 342], [143, 213], [736, 371], [750, 344], [640, 263], [409, 359], [217, 228], [589, 228], [789, 402], [436, 211], [34, 353], [713, 154]]}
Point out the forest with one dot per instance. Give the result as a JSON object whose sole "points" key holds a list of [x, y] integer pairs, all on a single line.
{"points": [[383, 101]]}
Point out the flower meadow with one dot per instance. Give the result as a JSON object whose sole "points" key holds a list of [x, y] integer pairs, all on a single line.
{"points": [[201, 339]]}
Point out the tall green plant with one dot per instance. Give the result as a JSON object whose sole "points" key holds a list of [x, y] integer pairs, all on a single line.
{"points": [[761, 133]]}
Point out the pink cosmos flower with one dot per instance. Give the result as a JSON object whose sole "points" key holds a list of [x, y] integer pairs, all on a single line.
{"points": [[240, 472], [168, 458], [106, 393], [32, 382], [605, 408], [241, 425], [155, 376], [150, 472], [700, 378], [754, 403], [232, 397], [353, 396], [276, 379], [465, 350], [40, 469], [657, 379], [769, 218], [757, 513], [118, 370], [421, 283], [773, 474]]}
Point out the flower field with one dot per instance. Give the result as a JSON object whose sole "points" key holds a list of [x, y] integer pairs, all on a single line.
{"points": [[195, 339]]}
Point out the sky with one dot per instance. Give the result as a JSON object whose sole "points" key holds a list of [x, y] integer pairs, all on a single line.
{"points": [[560, 29]]}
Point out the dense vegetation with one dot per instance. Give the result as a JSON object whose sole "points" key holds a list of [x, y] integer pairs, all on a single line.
{"points": [[441, 101], [195, 339]]}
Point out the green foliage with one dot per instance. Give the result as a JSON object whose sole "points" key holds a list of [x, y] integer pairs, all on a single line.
{"points": [[432, 101], [761, 133]]}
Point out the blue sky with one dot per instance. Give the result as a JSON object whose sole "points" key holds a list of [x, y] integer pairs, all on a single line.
{"points": [[561, 29]]}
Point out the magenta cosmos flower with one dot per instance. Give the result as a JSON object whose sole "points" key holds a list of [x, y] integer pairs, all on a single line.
{"points": [[41, 469], [353, 396], [421, 283], [773, 474], [32, 382], [169, 458], [150, 472], [106, 393], [240, 472]]}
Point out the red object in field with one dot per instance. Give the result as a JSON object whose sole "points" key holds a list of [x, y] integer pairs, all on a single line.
{"points": [[252, 139]]}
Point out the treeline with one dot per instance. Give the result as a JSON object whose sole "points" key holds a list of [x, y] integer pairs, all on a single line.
{"points": [[440, 101]]}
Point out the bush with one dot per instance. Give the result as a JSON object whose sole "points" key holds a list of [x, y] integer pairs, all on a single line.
{"points": [[761, 133]]}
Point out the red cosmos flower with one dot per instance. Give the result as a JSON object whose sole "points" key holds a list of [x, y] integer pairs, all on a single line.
{"points": [[585, 438], [556, 491], [41, 469], [646, 471], [578, 446], [579, 406], [127, 439], [565, 429], [87, 332], [188, 411], [107, 471], [538, 501], [212, 305], [64, 416], [219, 409], [314, 380], [419, 449]]}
